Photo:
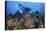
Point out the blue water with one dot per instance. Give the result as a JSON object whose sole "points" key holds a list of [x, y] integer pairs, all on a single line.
{"points": [[12, 7]]}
